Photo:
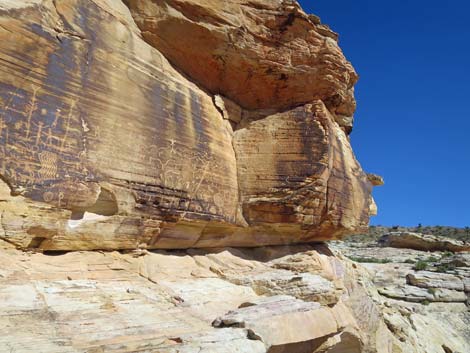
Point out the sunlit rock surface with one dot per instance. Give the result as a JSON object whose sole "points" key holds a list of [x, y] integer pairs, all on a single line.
{"points": [[105, 145], [261, 54], [423, 296], [216, 301], [424, 242]]}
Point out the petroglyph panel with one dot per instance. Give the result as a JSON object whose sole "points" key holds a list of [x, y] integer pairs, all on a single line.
{"points": [[105, 145], [298, 167], [84, 101]]}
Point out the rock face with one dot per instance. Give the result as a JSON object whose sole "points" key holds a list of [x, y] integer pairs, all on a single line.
{"points": [[105, 145], [427, 310], [297, 298], [187, 301], [261, 54], [424, 242]]}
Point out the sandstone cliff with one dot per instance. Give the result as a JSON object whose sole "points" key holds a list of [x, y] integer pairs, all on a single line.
{"points": [[183, 124], [174, 124]]}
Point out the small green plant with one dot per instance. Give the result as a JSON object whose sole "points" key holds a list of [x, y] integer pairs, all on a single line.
{"points": [[369, 260], [431, 259], [445, 268], [420, 265], [447, 254], [432, 291], [425, 302]]}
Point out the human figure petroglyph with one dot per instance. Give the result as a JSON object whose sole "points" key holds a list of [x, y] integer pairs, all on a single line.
{"points": [[67, 123], [187, 176], [33, 106], [3, 126], [50, 137], [38, 140], [56, 117], [39, 132], [185, 170], [60, 197]]}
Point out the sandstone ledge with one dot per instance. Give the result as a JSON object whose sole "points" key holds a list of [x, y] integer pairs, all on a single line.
{"points": [[424, 242], [186, 301]]}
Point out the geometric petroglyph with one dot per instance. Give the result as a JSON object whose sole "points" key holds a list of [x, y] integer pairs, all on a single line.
{"points": [[48, 165], [48, 196]]}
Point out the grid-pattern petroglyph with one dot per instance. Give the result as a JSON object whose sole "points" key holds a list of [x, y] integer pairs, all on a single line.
{"points": [[40, 143], [48, 162]]}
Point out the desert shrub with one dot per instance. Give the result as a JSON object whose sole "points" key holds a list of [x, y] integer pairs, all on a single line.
{"points": [[447, 254], [445, 268], [420, 265]]}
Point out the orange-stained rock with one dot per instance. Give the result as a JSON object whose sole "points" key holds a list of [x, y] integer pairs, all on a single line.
{"points": [[298, 167], [259, 53], [105, 145]]}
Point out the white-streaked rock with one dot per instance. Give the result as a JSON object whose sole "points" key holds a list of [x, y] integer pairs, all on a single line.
{"points": [[167, 301], [424, 242], [426, 279]]}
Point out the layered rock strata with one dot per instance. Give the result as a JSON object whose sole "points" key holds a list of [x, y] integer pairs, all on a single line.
{"points": [[104, 144], [424, 296], [221, 300], [423, 242], [303, 299]]}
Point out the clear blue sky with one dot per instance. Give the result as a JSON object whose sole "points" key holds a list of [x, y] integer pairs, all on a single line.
{"points": [[413, 118]]}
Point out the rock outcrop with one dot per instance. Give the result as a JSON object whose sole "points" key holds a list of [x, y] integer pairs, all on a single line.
{"points": [[298, 298], [261, 54], [196, 125], [187, 301], [423, 296], [104, 144], [424, 242]]}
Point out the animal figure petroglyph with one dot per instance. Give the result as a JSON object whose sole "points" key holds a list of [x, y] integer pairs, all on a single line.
{"points": [[189, 174]]}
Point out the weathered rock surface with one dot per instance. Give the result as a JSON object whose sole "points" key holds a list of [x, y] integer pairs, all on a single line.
{"points": [[417, 294], [105, 145], [427, 310], [284, 182], [261, 54], [280, 322], [184, 301], [424, 242], [426, 279], [274, 299]]}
